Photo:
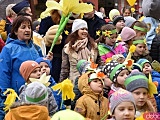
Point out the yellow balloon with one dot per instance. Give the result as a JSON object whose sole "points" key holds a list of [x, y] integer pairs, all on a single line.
{"points": [[131, 2], [113, 13]]}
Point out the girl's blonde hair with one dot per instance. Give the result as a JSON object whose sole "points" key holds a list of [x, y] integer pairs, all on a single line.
{"points": [[9, 11]]}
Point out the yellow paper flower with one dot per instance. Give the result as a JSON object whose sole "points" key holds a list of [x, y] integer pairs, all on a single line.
{"points": [[107, 33], [152, 86], [43, 79], [98, 33], [108, 60], [66, 87], [11, 97], [129, 63], [67, 6], [132, 48]]}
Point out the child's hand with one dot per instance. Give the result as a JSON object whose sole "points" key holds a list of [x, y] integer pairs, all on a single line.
{"points": [[49, 56]]}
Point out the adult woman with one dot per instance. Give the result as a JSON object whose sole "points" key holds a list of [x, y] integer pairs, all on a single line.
{"points": [[80, 46], [126, 11], [19, 48]]}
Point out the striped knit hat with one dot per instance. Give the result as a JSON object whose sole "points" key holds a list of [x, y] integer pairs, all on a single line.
{"points": [[112, 69], [136, 80], [142, 61]]}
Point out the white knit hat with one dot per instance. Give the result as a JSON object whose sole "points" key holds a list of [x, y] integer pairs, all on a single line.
{"points": [[36, 92], [78, 24]]}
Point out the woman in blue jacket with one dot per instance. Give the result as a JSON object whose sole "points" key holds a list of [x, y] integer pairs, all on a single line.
{"points": [[19, 48]]}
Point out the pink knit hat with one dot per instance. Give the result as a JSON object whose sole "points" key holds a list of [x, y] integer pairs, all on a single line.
{"points": [[127, 34], [27, 67]]}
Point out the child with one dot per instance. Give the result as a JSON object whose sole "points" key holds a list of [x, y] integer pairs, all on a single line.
{"points": [[118, 22], [122, 105], [137, 83], [108, 46], [92, 104], [117, 74], [127, 36], [140, 28], [147, 69], [31, 69], [46, 66], [141, 51]]}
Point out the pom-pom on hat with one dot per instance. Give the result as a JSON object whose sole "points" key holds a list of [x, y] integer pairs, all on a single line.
{"points": [[117, 19], [120, 96], [36, 92], [82, 65], [19, 6], [151, 8], [27, 67], [43, 59], [127, 34], [112, 69], [78, 24], [136, 80], [142, 61]]}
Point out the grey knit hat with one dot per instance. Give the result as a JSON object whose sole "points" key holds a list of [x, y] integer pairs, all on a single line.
{"points": [[136, 80], [117, 19], [82, 65], [36, 92], [120, 96], [112, 69]]}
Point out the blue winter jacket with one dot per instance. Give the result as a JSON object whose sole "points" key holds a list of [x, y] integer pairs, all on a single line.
{"points": [[156, 77], [13, 54]]}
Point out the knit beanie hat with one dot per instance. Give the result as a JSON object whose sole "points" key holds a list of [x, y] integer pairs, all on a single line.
{"points": [[117, 19], [136, 80], [36, 92], [43, 59], [78, 24], [19, 6], [151, 8], [142, 61], [127, 34], [117, 56], [120, 96], [112, 69], [82, 65], [27, 68], [129, 21], [137, 66]]}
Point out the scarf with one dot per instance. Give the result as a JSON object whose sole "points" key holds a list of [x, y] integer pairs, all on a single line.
{"points": [[80, 47]]}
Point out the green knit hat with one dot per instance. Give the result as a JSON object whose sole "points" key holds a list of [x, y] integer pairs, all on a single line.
{"points": [[81, 65], [136, 80], [142, 61]]}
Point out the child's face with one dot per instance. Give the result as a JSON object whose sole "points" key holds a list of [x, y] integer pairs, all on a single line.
{"points": [[147, 68], [35, 74], [120, 24], [82, 33], [140, 33], [124, 111], [140, 49], [44, 68], [140, 95], [127, 13], [107, 82], [111, 41], [122, 77], [96, 85]]}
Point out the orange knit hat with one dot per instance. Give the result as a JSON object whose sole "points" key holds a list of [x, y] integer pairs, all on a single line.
{"points": [[27, 68]]}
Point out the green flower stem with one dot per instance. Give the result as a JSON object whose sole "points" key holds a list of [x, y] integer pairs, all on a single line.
{"points": [[60, 29]]}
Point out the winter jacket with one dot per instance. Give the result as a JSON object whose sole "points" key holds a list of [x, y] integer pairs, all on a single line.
{"points": [[52, 105], [91, 105], [13, 54], [28, 112], [69, 63], [145, 56], [107, 52], [155, 48], [156, 78]]}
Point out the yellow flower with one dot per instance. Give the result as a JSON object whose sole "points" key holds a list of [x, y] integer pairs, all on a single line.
{"points": [[66, 87], [108, 60], [132, 48], [11, 97], [152, 86], [98, 33], [43, 79], [67, 6]]}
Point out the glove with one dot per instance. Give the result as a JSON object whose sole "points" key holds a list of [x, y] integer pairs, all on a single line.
{"points": [[50, 34]]}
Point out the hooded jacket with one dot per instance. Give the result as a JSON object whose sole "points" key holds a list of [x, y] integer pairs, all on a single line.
{"points": [[13, 54], [90, 105], [28, 112]]}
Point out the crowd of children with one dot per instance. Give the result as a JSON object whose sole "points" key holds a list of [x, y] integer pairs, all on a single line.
{"points": [[112, 77]]}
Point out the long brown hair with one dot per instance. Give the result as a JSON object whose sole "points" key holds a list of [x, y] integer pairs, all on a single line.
{"points": [[73, 37]]}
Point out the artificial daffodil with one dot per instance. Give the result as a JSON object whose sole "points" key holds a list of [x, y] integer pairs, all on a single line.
{"points": [[152, 86], [43, 79], [11, 97]]}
